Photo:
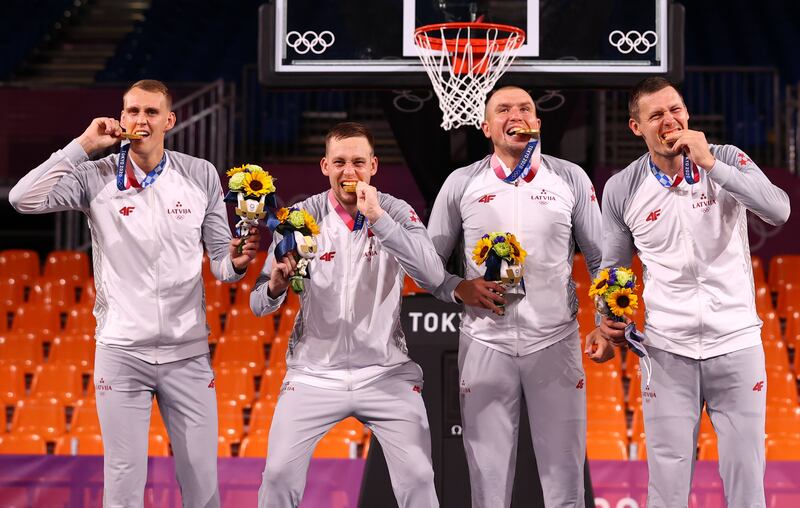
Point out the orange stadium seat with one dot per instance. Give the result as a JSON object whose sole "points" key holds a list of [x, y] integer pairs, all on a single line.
{"points": [[601, 446], [639, 448], [157, 421], [56, 291], [707, 448], [242, 321], [783, 421], [604, 386], [21, 349], [783, 269], [72, 265], [240, 351], [241, 296], [586, 321], [20, 264], [771, 329], [277, 352], [84, 417], [73, 349], [271, 381], [254, 445], [254, 268], [706, 427], [80, 319], [783, 448], [223, 447], [606, 418], [792, 334], [235, 383], [158, 445], [12, 386], [88, 293], [206, 269], [45, 417], [334, 446], [218, 295], [79, 444], [634, 387], [261, 414], [781, 388], [788, 299], [231, 420], [12, 295], [22, 444], [637, 424], [759, 278], [288, 314], [775, 355], [57, 381], [350, 427], [41, 321], [763, 299]]}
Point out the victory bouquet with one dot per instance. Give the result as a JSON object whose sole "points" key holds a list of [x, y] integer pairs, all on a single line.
{"points": [[504, 258], [614, 297], [252, 189], [298, 229]]}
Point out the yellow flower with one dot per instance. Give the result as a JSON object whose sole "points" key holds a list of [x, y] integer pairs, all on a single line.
{"points": [[600, 284], [622, 301], [282, 213], [237, 169], [258, 183], [311, 224], [481, 251], [518, 254]]}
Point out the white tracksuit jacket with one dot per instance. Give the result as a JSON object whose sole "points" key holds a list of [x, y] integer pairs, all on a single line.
{"points": [[347, 333], [147, 246], [692, 241], [549, 214]]}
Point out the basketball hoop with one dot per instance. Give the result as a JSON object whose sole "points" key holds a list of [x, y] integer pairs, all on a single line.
{"points": [[464, 61]]}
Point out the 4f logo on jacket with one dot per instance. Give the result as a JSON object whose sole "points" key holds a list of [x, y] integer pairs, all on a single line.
{"points": [[486, 198], [758, 386], [126, 210], [653, 215], [328, 256]]}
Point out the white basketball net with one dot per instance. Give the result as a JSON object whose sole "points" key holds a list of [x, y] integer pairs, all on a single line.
{"points": [[462, 79]]}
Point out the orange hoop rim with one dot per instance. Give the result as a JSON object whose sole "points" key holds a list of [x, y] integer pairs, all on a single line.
{"points": [[479, 45]]}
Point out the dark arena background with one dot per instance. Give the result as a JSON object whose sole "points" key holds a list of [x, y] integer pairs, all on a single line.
{"points": [[262, 82]]}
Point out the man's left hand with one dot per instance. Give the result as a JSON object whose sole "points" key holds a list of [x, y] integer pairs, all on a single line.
{"points": [[368, 204], [694, 145], [240, 260], [598, 349]]}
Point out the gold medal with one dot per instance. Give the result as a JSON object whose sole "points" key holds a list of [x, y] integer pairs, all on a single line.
{"points": [[533, 133], [130, 135], [349, 186]]}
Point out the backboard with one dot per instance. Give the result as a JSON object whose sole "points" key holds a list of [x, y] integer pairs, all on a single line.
{"points": [[370, 43]]}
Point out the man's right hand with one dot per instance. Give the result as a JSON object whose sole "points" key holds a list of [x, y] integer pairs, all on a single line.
{"points": [[102, 133], [481, 293], [613, 330], [279, 276]]}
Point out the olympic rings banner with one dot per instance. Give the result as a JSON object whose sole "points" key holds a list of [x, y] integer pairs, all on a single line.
{"points": [[54, 480]]}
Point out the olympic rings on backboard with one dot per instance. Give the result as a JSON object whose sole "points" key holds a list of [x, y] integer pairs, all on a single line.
{"points": [[633, 41], [415, 102], [310, 41], [550, 101]]}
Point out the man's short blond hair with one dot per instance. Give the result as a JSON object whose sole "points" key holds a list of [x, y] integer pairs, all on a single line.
{"points": [[151, 85]]}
